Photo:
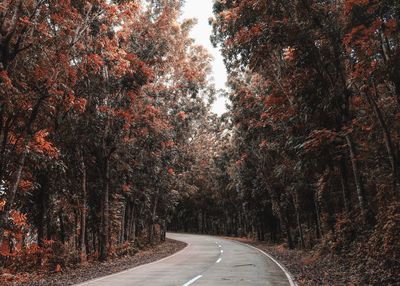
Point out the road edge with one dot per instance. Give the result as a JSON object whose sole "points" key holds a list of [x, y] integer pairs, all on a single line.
{"points": [[289, 276], [133, 268]]}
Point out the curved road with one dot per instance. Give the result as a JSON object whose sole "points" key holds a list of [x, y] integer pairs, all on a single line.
{"points": [[206, 261]]}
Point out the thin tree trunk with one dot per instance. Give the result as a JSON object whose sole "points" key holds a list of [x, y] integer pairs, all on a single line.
{"points": [[132, 224], [386, 136], [127, 220], [76, 229], [83, 214], [163, 230], [62, 228], [133, 230], [4, 140], [42, 203], [288, 232], [94, 239], [11, 194], [150, 232], [345, 185], [284, 223], [385, 46], [104, 236], [297, 211], [357, 177], [151, 226], [49, 227], [87, 240], [317, 217], [122, 230]]}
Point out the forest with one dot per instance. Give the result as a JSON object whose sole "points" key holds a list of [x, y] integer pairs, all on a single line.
{"points": [[107, 139]]}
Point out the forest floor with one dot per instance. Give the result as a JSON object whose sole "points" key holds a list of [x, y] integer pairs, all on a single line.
{"points": [[82, 273], [309, 268]]}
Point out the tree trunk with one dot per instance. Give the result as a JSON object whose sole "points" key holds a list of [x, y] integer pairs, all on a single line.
{"points": [[385, 46], [149, 232], [94, 239], [132, 224], [357, 177], [49, 227], [288, 233], [62, 228], [5, 128], [152, 220], [284, 221], [121, 237], [42, 201], [104, 236], [127, 220], [83, 214], [345, 185], [297, 211], [387, 138], [132, 236], [317, 218], [163, 230], [12, 192]]}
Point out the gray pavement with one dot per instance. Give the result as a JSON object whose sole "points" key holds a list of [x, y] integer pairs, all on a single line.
{"points": [[207, 260]]}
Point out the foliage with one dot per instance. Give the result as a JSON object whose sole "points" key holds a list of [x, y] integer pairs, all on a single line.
{"points": [[313, 158], [97, 99]]}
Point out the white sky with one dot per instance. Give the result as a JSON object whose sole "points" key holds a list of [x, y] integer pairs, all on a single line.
{"points": [[202, 11]]}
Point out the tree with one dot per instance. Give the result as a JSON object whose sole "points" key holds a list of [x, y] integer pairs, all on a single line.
{"points": [[97, 100]]}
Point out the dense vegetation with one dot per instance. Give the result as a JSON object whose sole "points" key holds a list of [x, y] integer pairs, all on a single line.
{"points": [[312, 155], [106, 135], [97, 100]]}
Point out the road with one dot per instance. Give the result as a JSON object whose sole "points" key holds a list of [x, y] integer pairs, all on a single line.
{"points": [[206, 261]]}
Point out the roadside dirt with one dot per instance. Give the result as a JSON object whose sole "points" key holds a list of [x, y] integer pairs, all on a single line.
{"points": [[94, 270]]}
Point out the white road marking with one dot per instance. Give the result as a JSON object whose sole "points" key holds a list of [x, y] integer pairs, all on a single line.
{"points": [[219, 246], [193, 280], [222, 251], [287, 273], [219, 260]]}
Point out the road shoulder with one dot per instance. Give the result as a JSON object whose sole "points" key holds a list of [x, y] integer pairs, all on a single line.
{"points": [[97, 270]]}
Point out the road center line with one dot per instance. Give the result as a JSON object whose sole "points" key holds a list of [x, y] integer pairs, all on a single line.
{"points": [[219, 260], [193, 280]]}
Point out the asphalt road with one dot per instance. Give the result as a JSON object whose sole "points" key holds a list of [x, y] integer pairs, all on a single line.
{"points": [[205, 261]]}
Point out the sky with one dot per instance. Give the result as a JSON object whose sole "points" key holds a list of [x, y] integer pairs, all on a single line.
{"points": [[202, 11]]}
